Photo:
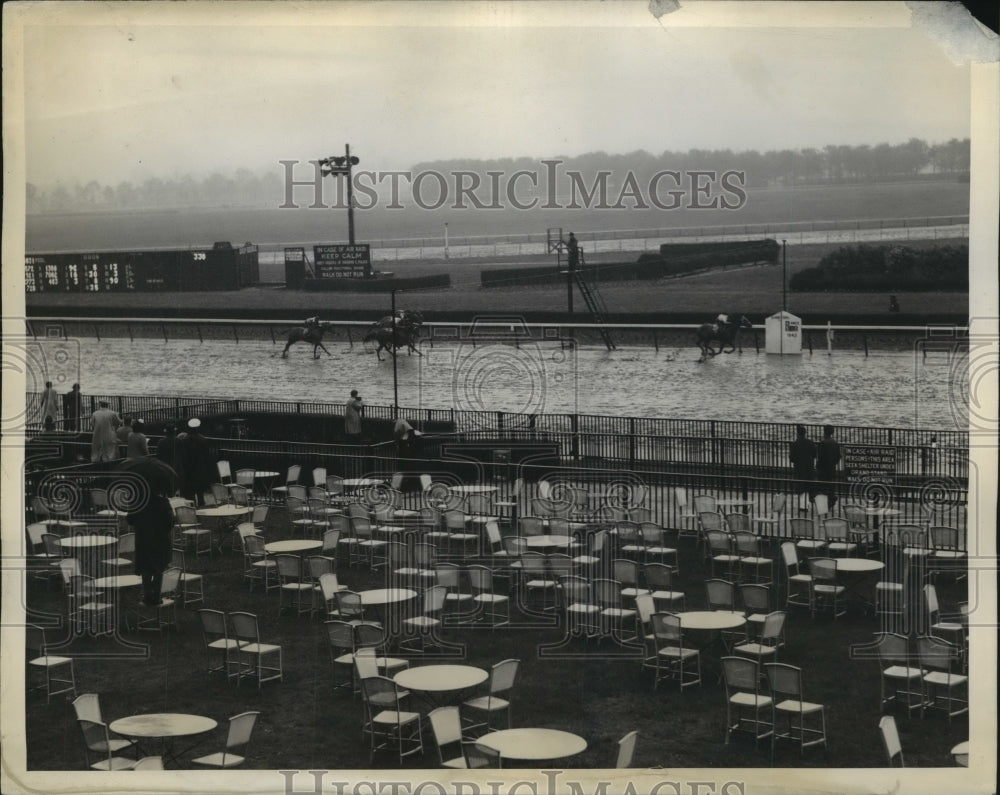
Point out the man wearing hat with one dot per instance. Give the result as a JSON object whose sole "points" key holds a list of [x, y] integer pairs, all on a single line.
{"points": [[50, 403], [72, 408], [352, 418], [198, 470], [104, 444]]}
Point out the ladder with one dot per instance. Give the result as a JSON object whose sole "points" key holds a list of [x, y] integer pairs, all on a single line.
{"points": [[594, 301]]}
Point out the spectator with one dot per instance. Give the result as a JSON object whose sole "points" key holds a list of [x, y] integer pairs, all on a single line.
{"points": [[827, 461], [104, 444], [573, 251], [50, 406], [167, 448], [803, 457], [123, 433], [198, 470], [352, 418], [72, 408], [407, 448], [152, 521], [137, 445]]}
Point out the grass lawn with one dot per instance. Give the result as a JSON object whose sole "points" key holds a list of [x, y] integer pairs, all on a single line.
{"points": [[596, 689]]}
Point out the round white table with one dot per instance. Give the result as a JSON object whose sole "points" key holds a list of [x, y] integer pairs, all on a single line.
{"points": [[117, 582], [472, 488], [375, 597], [534, 744], [359, 483], [440, 678], [163, 726], [712, 620], [224, 511], [856, 573], [292, 546], [534, 542], [227, 517], [961, 754], [382, 600], [87, 541], [266, 477], [88, 549], [881, 513], [858, 565]]}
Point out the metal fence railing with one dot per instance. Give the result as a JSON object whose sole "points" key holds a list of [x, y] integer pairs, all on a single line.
{"points": [[713, 447]]}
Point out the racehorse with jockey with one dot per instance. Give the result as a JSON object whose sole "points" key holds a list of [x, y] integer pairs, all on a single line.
{"points": [[391, 333], [311, 332], [724, 330]]}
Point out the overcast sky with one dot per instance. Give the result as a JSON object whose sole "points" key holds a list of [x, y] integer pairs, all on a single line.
{"points": [[114, 95]]}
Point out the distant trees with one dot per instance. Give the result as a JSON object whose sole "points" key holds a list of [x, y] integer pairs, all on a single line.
{"points": [[886, 269], [244, 188], [785, 167]]}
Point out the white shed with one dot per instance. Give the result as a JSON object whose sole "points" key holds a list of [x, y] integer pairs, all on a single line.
{"points": [[783, 334]]}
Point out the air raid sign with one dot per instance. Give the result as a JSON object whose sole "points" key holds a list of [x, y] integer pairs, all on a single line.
{"points": [[869, 463], [343, 260]]}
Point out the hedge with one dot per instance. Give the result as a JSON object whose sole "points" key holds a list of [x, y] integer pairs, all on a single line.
{"points": [[865, 268], [674, 259]]}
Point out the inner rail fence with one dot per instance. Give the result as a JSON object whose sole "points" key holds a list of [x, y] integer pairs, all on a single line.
{"points": [[867, 230], [944, 341]]}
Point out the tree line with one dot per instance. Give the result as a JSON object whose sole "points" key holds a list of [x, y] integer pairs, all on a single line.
{"points": [[887, 268], [833, 164]]}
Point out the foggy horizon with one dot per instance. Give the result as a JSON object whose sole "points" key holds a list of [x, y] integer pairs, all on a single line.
{"points": [[162, 93]]}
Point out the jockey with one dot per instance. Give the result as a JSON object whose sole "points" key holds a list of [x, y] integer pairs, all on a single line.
{"points": [[721, 322], [312, 322]]}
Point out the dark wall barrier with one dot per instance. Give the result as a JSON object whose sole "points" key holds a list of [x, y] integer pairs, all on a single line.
{"points": [[674, 259], [441, 280]]}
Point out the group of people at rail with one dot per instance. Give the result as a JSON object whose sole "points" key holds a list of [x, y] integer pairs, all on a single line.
{"points": [[815, 465]]}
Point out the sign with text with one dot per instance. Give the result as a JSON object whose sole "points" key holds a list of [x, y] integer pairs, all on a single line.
{"points": [[343, 260], [869, 463]]}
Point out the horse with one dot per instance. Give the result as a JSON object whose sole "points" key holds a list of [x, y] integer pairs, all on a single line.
{"points": [[388, 338], [310, 334], [725, 333], [403, 317]]}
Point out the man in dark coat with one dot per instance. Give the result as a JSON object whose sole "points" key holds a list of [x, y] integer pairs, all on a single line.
{"points": [[152, 520], [72, 408], [198, 470], [827, 460], [803, 457], [167, 450], [573, 252]]}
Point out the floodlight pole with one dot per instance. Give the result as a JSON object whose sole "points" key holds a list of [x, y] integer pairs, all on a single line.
{"points": [[341, 166], [350, 196], [784, 277], [395, 381]]}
